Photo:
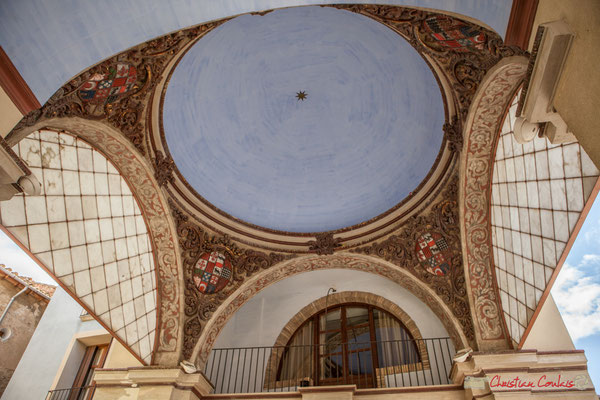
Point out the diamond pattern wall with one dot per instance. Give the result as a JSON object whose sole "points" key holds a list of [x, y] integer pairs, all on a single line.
{"points": [[87, 229], [538, 193]]}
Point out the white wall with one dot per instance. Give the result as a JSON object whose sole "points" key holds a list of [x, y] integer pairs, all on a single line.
{"points": [[40, 362], [260, 320]]}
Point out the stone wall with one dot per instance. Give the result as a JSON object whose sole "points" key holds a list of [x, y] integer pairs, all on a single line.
{"points": [[22, 318]]}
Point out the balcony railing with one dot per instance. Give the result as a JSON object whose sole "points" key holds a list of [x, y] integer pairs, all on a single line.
{"points": [[74, 393], [382, 364]]}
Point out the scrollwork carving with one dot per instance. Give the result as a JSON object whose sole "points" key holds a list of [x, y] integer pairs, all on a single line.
{"points": [[194, 241], [453, 134], [325, 244], [163, 168], [399, 249]]}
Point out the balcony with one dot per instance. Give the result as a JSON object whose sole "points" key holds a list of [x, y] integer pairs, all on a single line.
{"points": [[74, 393], [381, 364]]}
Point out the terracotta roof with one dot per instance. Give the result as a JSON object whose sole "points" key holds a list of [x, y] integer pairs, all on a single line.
{"points": [[47, 290]]}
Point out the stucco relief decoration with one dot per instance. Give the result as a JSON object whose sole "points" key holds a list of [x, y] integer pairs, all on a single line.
{"points": [[196, 243], [404, 249], [106, 88], [480, 147], [118, 89], [463, 51], [162, 237], [163, 168], [452, 33], [434, 253], [325, 244]]}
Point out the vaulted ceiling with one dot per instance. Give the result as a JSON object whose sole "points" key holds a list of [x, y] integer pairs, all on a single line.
{"points": [[265, 143]]}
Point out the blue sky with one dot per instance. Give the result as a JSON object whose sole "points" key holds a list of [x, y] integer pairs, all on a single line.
{"points": [[576, 290], [16, 259]]}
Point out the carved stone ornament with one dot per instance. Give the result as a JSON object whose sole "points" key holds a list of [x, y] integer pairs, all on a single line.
{"points": [[325, 243], [194, 241], [118, 89], [477, 165], [453, 134], [440, 221], [163, 169], [463, 51]]}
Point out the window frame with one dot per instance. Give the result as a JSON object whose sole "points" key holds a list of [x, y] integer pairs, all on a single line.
{"points": [[377, 375]]}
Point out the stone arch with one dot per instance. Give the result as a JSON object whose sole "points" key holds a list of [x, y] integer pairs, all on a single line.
{"points": [[134, 168], [340, 260], [333, 300], [480, 135]]}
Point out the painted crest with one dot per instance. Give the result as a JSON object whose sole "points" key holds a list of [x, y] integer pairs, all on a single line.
{"points": [[212, 272], [434, 253], [105, 88], [452, 33]]}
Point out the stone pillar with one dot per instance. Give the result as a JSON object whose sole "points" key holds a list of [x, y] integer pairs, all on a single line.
{"points": [[525, 374], [149, 383]]}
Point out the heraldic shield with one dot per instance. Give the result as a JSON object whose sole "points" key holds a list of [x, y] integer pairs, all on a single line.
{"points": [[212, 272], [107, 88], [453, 34], [434, 253]]}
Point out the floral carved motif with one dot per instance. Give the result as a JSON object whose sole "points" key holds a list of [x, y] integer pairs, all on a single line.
{"points": [[325, 244], [463, 51], [480, 146], [453, 134], [441, 221], [193, 241], [163, 169], [162, 236], [99, 94]]}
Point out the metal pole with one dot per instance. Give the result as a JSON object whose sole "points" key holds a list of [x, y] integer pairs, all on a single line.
{"points": [[11, 301]]}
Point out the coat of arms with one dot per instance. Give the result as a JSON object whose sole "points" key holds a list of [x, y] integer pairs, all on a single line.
{"points": [[454, 34], [212, 272], [105, 88], [434, 253]]}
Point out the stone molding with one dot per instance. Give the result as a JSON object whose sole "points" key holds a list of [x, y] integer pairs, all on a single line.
{"points": [[149, 383], [481, 133], [528, 371], [150, 198]]}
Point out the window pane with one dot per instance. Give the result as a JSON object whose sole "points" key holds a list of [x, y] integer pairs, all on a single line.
{"points": [[360, 363], [332, 367], [297, 361], [356, 316], [394, 344], [331, 320]]}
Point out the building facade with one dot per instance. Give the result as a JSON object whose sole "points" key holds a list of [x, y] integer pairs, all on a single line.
{"points": [[23, 304]]}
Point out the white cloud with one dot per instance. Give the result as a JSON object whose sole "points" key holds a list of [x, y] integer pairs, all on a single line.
{"points": [[592, 233], [589, 259], [578, 299], [16, 259]]}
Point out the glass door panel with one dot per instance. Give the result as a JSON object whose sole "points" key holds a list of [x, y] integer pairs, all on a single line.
{"points": [[331, 356]]}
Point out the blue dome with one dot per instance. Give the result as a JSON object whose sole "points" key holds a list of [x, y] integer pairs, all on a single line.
{"points": [[365, 136]]}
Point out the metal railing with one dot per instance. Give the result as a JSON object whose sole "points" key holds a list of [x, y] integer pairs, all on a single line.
{"points": [[391, 363], [74, 393]]}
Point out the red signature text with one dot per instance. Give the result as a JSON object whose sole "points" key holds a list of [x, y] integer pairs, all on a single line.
{"points": [[543, 382]]}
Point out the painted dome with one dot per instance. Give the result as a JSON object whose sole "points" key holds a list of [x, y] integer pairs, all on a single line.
{"points": [[305, 119]]}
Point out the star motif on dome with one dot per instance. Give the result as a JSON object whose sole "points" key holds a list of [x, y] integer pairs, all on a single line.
{"points": [[301, 95]]}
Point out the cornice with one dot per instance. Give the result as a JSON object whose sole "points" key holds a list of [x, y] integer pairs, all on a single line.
{"points": [[15, 86]]}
